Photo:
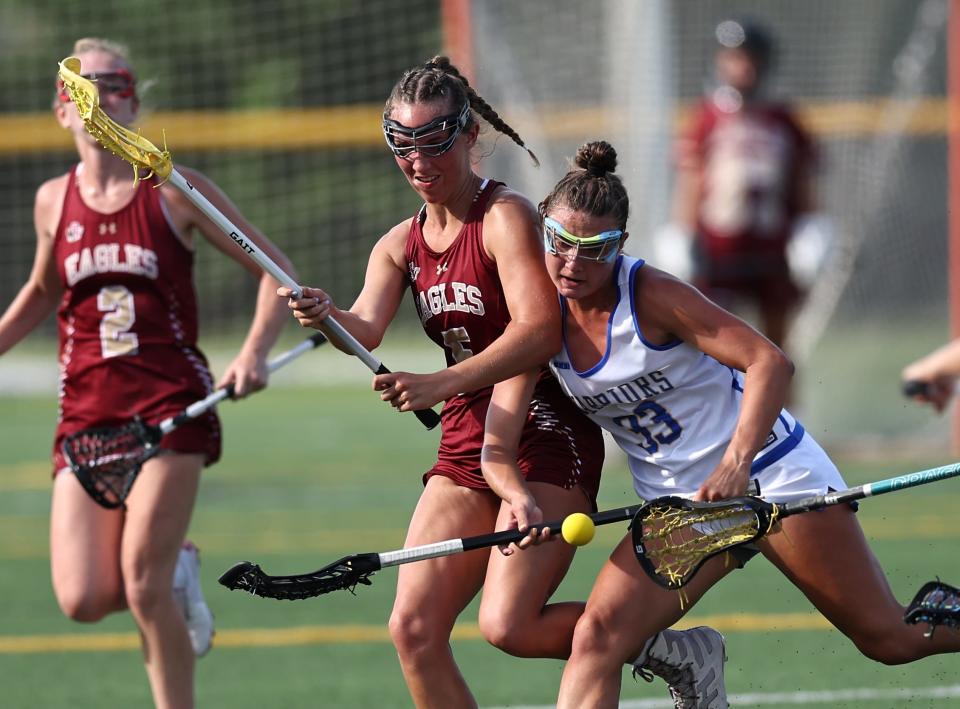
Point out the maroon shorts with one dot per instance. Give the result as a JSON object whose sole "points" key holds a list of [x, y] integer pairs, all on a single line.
{"points": [[199, 436], [559, 445], [155, 384]]}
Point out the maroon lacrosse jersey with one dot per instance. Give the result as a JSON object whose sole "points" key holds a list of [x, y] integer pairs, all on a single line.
{"points": [[128, 322], [462, 308], [750, 160]]}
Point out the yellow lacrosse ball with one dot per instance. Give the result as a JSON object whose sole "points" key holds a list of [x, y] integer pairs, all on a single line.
{"points": [[578, 529]]}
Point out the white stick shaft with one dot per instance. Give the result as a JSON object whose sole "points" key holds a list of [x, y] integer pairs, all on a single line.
{"points": [[426, 551], [329, 326], [215, 397]]}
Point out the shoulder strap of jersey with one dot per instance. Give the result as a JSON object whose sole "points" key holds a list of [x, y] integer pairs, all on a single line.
{"points": [[484, 195]]}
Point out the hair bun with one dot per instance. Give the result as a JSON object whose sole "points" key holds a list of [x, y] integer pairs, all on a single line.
{"points": [[597, 158], [438, 61]]}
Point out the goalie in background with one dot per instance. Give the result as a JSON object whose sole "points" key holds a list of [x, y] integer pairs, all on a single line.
{"points": [[744, 230], [114, 259]]}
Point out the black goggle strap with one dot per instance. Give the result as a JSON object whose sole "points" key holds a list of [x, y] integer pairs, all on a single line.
{"points": [[455, 121]]}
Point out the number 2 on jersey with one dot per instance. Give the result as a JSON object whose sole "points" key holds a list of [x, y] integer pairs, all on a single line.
{"points": [[115, 338]]}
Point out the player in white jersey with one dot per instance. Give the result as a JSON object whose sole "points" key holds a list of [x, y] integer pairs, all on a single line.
{"points": [[647, 395], [694, 396]]}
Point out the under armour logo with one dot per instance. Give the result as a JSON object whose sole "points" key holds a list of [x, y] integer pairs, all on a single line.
{"points": [[108, 228], [441, 268]]}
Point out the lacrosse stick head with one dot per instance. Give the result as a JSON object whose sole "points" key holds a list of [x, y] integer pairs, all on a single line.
{"points": [[936, 603], [122, 142], [673, 536], [106, 461], [342, 574]]}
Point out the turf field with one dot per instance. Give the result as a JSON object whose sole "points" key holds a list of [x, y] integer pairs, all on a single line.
{"points": [[311, 474]]}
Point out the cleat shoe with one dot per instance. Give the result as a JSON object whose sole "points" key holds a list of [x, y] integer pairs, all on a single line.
{"points": [[189, 597], [691, 663], [936, 604]]}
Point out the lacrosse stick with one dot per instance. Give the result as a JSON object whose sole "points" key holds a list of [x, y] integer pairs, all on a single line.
{"points": [[355, 569], [673, 537], [148, 158], [107, 461]]}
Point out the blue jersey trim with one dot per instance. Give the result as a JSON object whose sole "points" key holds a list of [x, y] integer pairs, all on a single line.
{"points": [[633, 313], [735, 380], [780, 450], [606, 353]]}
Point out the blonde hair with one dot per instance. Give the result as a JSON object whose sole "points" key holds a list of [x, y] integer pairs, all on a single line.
{"points": [[99, 44]]}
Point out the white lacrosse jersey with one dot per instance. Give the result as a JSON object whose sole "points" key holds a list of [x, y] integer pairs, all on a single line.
{"points": [[671, 408]]}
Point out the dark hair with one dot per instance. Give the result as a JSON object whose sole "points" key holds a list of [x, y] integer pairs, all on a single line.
{"points": [[750, 36], [439, 79], [591, 186]]}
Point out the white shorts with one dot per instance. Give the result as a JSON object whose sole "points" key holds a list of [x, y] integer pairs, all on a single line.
{"points": [[804, 471]]}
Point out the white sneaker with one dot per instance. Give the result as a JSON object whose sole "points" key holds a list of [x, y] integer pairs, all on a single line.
{"points": [[691, 663], [189, 596]]}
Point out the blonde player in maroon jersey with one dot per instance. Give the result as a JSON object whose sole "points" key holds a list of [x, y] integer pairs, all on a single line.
{"points": [[115, 260], [472, 260]]}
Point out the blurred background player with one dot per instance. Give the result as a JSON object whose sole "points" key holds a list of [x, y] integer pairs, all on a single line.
{"points": [[744, 171], [115, 260]]}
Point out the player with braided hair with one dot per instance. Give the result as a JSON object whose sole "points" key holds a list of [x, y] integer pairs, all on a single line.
{"points": [[472, 260]]}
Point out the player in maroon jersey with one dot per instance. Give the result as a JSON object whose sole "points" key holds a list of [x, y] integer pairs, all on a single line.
{"points": [[115, 260], [744, 179], [472, 260]]}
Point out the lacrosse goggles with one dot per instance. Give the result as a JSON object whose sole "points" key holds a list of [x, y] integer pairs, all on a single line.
{"points": [[431, 140], [558, 241]]}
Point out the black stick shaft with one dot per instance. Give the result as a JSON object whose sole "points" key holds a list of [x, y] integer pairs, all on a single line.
{"points": [[482, 541]]}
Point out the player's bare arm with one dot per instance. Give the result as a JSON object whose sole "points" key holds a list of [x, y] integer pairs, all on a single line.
{"points": [[41, 293], [248, 371], [677, 309], [512, 239], [506, 415], [370, 315]]}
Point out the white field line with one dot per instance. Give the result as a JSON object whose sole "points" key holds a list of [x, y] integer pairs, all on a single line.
{"points": [[831, 697]]}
